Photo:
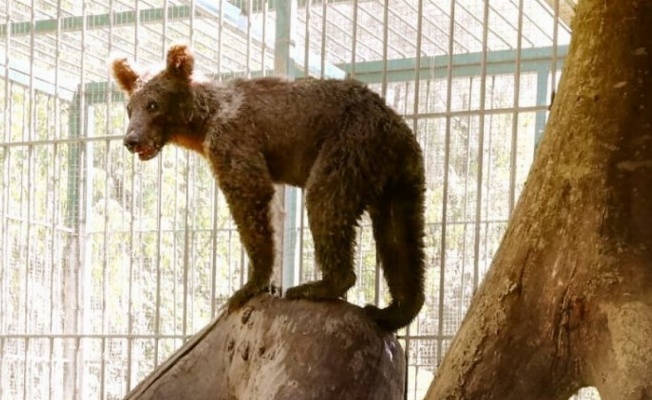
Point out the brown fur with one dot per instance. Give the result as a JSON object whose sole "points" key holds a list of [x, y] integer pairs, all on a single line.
{"points": [[335, 138], [128, 77]]}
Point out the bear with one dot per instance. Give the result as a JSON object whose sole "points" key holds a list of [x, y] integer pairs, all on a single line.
{"points": [[335, 138]]}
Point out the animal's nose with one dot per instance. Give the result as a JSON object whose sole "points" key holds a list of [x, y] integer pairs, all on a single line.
{"points": [[131, 141]]}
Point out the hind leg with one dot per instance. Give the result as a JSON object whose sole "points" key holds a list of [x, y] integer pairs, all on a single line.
{"points": [[334, 205], [397, 221]]}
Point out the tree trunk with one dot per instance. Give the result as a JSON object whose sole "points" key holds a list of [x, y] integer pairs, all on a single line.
{"points": [[567, 302], [279, 349]]}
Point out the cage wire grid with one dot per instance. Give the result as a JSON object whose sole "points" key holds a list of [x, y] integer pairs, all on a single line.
{"points": [[108, 264]]}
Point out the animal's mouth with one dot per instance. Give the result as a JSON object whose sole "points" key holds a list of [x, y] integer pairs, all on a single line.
{"points": [[146, 152]]}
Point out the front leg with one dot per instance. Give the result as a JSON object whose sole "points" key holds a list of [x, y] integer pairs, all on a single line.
{"points": [[249, 191]]}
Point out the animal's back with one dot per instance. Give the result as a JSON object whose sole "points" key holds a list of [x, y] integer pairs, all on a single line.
{"points": [[295, 121]]}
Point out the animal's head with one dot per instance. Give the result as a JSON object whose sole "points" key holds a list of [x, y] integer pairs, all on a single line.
{"points": [[159, 106]]}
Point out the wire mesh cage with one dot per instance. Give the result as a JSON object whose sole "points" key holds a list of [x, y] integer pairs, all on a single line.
{"points": [[108, 264]]}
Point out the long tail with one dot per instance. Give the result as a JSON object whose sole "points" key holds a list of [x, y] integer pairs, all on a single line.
{"points": [[398, 226]]}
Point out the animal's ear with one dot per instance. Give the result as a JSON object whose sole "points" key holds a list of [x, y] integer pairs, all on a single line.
{"points": [[124, 74], [180, 61]]}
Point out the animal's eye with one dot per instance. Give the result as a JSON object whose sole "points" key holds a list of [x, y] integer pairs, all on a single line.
{"points": [[152, 106]]}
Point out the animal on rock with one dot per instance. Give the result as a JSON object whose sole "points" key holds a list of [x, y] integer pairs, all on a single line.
{"points": [[336, 138]]}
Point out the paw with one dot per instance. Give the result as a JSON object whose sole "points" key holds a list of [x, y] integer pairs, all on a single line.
{"points": [[318, 290], [241, 296], [297, 292]]}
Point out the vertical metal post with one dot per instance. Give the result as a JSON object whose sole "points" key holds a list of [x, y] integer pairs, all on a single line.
{"points": [[215, 206], [306, 43], [4, 197], [86, 265], [285, 15], [248, 47], [31, 130], [71, 270], [481, 148], [285, 202], [132, 232], [5, 137], [263, 50], [324, 30], [301, 231], [105, 354], [517, 92], [415, 129], [354, 37], [383, 90], [555, 45], [542, 98], [84, 257], [542, 94], [444, 208]]}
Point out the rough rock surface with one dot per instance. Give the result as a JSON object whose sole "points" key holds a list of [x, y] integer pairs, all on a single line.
{"points": [[279, 349]]}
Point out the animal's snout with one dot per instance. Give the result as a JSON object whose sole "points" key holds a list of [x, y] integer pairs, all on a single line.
{"points": [[131, 141]]}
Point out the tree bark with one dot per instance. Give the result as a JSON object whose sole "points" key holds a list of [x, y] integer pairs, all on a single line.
{"points": [[279, 349], [567, 302]]}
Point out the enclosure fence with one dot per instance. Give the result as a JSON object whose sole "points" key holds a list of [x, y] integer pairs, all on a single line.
{"points": [[107, 264]]}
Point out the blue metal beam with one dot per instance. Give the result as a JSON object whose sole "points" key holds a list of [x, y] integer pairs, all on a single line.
{"points": [[464, 65], [71, 24]]}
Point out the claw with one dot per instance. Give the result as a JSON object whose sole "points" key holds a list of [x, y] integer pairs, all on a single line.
{"points": [[241, 296], [318, 290]]}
